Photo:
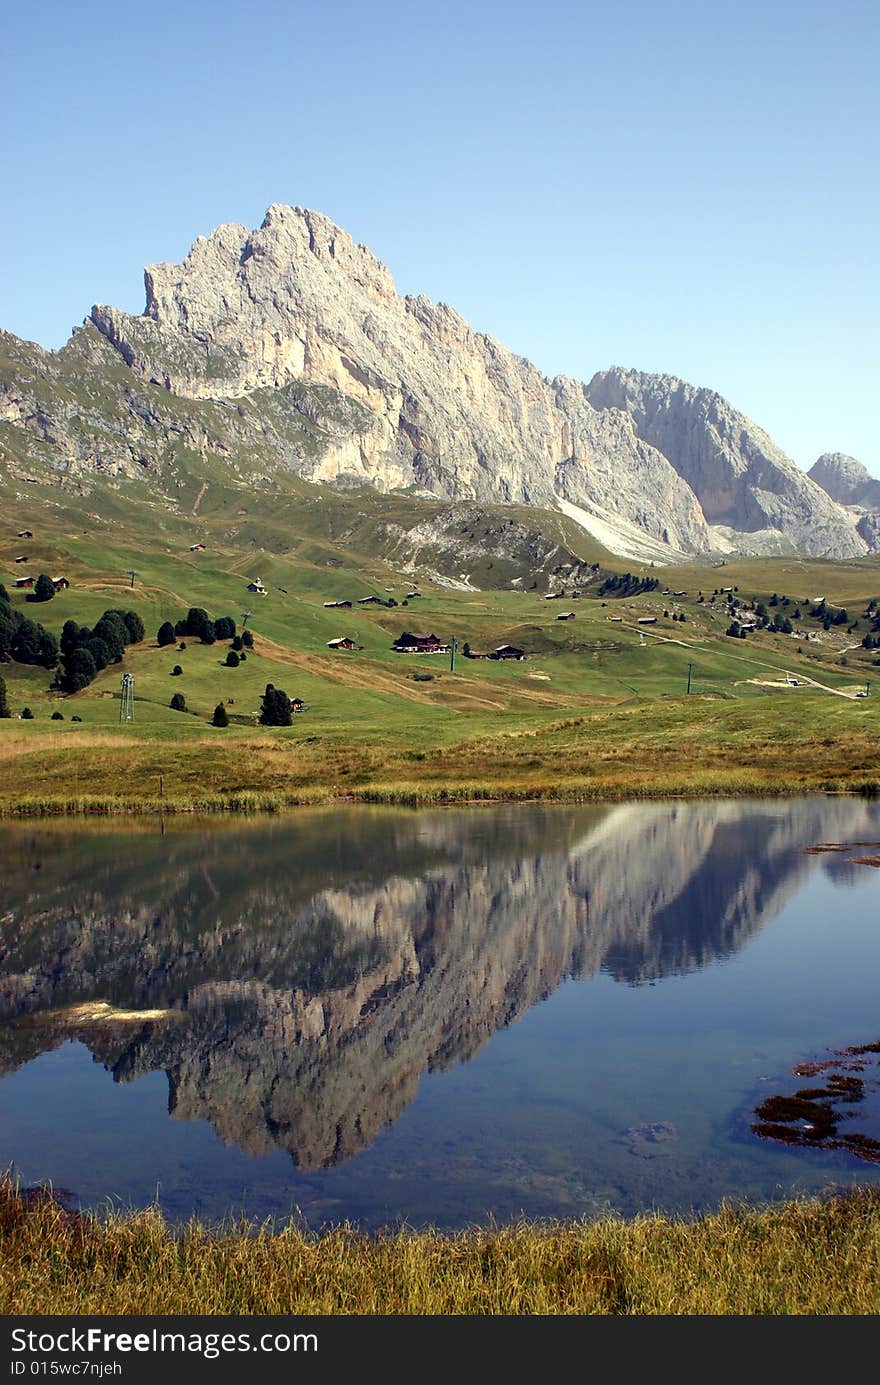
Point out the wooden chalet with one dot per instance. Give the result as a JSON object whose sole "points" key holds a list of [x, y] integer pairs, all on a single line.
{"points": [[370, 601], [60, 583], [23, 559], [257, 587], [507, 651], [647, 620], [24, 581], [24, 534], [411, 643], [342, 643], [296, 704], [335, 604], [197, 548], [565, 615]]}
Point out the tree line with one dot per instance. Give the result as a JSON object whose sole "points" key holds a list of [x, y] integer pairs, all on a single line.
{"points": [[626, 584], [197, 625]]}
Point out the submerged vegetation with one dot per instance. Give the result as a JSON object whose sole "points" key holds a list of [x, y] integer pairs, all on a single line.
{"points": [[812, 1116], [813, 1257]]}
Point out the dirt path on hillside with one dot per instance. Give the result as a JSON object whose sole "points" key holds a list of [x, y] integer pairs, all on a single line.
{"points": [[743, 658]]}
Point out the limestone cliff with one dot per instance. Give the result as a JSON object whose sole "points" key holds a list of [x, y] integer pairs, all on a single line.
{"points": [[288, 349], [451, 410], [754, 496]]}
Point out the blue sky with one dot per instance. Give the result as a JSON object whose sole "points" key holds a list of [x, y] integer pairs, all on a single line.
{"points": [[680, 187]]}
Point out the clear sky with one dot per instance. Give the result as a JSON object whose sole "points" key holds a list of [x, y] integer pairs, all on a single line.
{"points": [[682, 187]]}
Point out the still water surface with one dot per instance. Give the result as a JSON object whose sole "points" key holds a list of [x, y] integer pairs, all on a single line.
{"points": [[432, 1016]]}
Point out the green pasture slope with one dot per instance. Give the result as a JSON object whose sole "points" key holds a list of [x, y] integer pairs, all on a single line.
{"points": [[310, 545]]}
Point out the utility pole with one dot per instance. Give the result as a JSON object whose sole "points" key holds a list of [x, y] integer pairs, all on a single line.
{"points": [[130, 572], [868, 688], [690, 671], [126, 704], [245, 617], [452, 649]]}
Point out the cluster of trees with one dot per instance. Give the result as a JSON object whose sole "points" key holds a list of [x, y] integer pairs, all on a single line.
{"points": [[198, 625], [44, 589], [676, 615], [829, 615], [86, 650], [275, 710], [626, 584], [24, 640]]}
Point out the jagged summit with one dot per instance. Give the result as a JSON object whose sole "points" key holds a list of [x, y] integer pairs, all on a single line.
{"points": [[336, 376], [846, 480]]}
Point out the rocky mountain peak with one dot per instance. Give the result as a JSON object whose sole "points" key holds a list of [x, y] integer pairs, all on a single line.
{"points": [[846, 480], [754, 495], [345, 380]]}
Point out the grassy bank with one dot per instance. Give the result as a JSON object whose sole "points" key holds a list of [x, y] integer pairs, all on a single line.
{"points": [[812, 1257], [673, 746]]}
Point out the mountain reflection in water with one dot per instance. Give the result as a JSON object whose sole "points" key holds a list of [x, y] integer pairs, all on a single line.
{"points": [[317, 966]]}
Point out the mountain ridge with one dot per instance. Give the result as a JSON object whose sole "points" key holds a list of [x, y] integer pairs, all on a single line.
{"points": [[288, 348]]}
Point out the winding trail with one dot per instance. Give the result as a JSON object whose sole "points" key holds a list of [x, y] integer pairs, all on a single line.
{"points": [[803, 678]]}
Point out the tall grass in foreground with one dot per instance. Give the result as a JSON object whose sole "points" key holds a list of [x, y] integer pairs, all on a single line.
{"points": [[810, 1257]]}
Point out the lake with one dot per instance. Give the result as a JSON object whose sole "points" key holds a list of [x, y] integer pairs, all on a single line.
{"points": [[434, 1016]]}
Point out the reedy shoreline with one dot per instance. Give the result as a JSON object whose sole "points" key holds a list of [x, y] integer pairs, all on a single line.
{"points": [[820, 1256]]}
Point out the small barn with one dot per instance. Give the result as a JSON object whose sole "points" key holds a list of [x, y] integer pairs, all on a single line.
{"points": [[60, 583], [23, 559], [197, 548], [343, 643], [565, 615], [257, 587], [24, 534], [24, 581], [296, 704], [647, 620], [335, 604], [370, 601], [507, 651], [554, 596]]}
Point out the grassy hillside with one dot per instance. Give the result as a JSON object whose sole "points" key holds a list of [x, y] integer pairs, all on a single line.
{"points": [[599, 706]]}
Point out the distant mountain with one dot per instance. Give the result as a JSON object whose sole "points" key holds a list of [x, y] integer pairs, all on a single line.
{"points": [[288, 348], [755, 498], [851, 484], [846, 480]]}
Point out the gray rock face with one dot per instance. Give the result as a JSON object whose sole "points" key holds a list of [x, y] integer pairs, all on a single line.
{"points": [[452, 410], [288, 348], [868, 528], [743, 481], [852, 485], [846, 480]]}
